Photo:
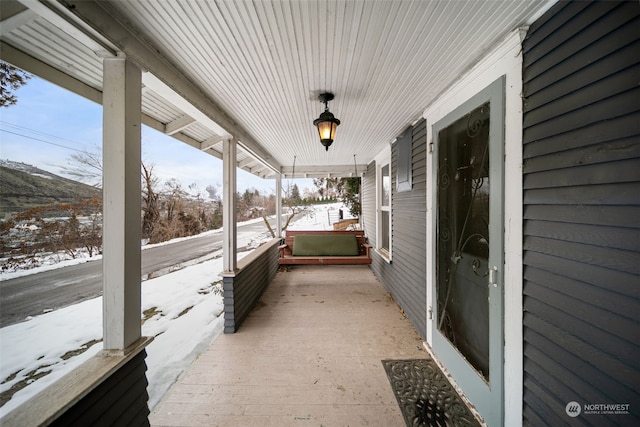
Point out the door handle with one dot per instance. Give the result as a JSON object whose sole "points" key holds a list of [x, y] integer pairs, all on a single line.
{"points": [[493, 276]]}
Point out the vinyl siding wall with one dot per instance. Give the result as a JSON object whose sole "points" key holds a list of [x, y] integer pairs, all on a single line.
{"points": [[121, 400], [582, 212], [243, 289], [405, 276]]}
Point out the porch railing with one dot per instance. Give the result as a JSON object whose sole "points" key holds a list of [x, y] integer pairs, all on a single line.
{"points": [[243, 288]]}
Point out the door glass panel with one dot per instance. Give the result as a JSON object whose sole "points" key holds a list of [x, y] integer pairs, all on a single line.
{"points": [[462, 251]]}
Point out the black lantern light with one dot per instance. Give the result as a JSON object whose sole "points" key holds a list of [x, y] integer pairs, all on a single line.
{"points": [[326, 123]]}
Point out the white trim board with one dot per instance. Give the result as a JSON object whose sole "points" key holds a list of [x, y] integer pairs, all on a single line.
{"points": [[383, 158]]}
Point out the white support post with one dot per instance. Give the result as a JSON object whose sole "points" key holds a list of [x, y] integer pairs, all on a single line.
{"points": [[279, 205], [229, 154], [121, 262]]}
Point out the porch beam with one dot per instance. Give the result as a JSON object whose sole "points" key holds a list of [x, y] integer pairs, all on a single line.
{"points": [[105, 23], [260, 171], [178, 125], [121, 261], [246, 162], [59, 16], [166, 92], [16, 21], [160, 127], [209, 143], [323, 171], [34, 66], [229, 235], [247, 148]]}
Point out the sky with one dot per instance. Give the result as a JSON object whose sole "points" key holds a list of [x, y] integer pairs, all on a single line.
{"points": [[49, 124], [38, 344]]}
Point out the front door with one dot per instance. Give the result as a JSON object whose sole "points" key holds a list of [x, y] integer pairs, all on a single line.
{"points": [[468, 295]]}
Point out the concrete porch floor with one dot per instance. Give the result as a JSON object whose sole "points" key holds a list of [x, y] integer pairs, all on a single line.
{"points": [[309, 354]]}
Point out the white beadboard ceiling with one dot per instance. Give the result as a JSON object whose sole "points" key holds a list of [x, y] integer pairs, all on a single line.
{"points": [[254, 69]]}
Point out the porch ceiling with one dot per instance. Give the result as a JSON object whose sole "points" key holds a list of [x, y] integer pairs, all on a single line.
{"points": [[253, 69]]}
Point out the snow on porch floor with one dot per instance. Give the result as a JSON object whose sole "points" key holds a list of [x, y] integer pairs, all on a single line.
{"points": [[309, 354]]}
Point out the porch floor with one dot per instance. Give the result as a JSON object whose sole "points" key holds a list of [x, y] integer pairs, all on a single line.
{"points": [[309, 354]]}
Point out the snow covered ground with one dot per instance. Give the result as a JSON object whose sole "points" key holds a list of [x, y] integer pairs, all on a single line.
{"points": [[36, 353]]}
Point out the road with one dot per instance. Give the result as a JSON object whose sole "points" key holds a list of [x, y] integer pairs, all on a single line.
{"points": [[50, 290]]}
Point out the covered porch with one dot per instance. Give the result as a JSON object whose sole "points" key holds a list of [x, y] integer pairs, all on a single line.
{"points": [[309, 353], [556, 83]]}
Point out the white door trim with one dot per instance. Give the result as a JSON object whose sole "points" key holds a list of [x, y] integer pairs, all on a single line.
{"points": [[504, 60]]}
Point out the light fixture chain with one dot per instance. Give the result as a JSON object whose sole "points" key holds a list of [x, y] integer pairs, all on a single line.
{"points": [[293, 171]]}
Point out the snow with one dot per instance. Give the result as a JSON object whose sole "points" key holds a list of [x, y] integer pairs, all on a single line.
{"points": [[184, 313], [42, 175]]}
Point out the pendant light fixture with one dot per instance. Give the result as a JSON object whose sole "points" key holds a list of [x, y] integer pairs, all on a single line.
{"points": [[326, 123]]}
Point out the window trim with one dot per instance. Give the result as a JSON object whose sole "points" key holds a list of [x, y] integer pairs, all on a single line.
{"points": [[384, 159]]}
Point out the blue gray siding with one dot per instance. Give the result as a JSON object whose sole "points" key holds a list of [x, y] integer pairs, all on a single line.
{"points": [[242, 291], [121, 400], [582, 212], [405, 276]]}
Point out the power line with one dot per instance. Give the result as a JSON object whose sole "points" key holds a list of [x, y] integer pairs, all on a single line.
{"points": [[42, 140], [38, 132]]}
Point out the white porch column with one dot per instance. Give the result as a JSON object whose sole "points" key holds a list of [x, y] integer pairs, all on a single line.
{"points": [[229, 240], [121, 203], [279, 205]]}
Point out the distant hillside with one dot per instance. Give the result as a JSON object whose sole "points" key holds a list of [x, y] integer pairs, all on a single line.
{"points": [[23, 186]]}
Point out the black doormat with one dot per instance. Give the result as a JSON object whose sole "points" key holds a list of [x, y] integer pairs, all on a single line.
{"points": [[425, 396]]}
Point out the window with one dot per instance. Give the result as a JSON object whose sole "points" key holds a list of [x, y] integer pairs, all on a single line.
{"points": [[383, 227]]}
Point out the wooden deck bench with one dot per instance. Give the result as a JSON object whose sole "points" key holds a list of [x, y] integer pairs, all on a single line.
{"points": [[324, 247]]}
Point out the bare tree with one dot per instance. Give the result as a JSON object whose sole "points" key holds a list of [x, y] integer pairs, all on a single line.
{"points": [[53, 228], [292, 201], [215, 219], [166, 214], [150, 209], [85, 167]]}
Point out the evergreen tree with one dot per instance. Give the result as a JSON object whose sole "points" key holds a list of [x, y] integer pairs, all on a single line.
{"points": [[295, 194], [347, 189]]}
